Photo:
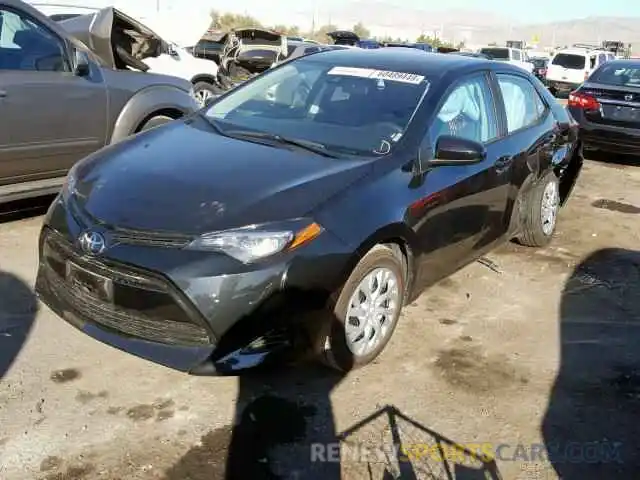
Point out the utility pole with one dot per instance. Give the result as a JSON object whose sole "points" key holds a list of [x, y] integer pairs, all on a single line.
{"points": [[157, 5]]}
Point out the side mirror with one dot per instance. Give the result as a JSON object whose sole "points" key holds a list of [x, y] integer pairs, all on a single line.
{"points": [[452, 151], [81, 64]]}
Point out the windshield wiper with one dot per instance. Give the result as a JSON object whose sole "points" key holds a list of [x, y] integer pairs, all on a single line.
{"points": [[213, 123], [310, 146]]}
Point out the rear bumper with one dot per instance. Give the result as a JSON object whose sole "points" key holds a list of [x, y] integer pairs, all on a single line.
{"points": [[624, 141], [559, 86]]}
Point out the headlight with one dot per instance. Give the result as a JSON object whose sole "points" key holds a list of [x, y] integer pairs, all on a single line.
{"points": [[254, 242]]}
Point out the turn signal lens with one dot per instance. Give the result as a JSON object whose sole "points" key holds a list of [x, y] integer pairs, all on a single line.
{"points": [[305, 235]]}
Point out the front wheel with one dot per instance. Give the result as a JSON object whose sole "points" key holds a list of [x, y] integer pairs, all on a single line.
{"points": [[366, 312], [155, 121], [541, 212]]}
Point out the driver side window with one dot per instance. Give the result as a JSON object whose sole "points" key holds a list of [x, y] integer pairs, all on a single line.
{"points": [[26, 45], [468, 112]]}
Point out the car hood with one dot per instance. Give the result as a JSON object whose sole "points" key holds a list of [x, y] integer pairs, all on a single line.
{"points": [[186, 178]]}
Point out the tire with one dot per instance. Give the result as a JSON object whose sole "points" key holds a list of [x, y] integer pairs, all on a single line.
{"points": [[536, 230], [336, 350], [205, 92], [155, 121]]}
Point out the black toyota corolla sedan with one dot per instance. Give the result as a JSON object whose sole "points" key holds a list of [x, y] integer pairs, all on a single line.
{"points": [[302, 210], [607, 107]]}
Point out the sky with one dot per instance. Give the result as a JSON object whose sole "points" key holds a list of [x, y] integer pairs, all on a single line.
{"points": [[344, 13]]}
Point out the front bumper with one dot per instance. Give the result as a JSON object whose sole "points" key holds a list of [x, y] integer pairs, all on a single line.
{"points": [[196, 312]]}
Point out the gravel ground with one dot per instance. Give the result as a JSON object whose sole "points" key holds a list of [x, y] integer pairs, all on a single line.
{"points": [[530, 349]]}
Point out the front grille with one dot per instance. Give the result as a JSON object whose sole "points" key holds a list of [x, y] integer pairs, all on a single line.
{"points": [[151, 239], [140, 304]]}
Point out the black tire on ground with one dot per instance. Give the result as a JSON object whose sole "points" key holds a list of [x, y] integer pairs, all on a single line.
{"points": [[206, 88], [155, 121], [336, 353], [533, 234]]}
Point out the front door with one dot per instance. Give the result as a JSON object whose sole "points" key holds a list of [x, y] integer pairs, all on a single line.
{"points": [[50, 117], [458, 205]]}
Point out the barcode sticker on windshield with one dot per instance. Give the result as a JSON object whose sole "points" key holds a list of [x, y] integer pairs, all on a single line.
{"points": [[397, 76], [377, 74]]}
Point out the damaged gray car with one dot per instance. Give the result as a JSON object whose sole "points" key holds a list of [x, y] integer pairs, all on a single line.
{"points": [[62, 102], [127, 42]]}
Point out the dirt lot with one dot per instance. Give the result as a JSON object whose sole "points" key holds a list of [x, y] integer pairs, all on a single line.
{"points": [[532, 348]]}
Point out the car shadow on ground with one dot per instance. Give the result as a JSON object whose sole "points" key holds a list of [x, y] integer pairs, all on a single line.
{"points": [[591, 424], [286, 430], [18, 309]]}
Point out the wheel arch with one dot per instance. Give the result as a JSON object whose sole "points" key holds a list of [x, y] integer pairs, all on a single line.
{"points": [[204, 77], [401, 237], [150, 101]]}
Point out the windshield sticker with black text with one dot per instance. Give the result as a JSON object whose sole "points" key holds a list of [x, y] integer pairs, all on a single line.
{"points": [[377, 74]]}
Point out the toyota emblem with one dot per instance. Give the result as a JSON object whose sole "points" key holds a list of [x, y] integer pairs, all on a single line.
{"points": [[92, 242], [628, 97]]}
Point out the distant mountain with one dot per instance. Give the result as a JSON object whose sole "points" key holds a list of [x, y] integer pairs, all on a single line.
{"points": [[585, 30], [394, 18]]}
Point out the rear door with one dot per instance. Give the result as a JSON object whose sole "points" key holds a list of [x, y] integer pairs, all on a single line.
{"points": [[51, 117], [567, 68], [530, 143]]}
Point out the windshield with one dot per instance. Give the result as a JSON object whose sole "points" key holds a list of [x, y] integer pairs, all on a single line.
{"points": [[347, 110], [621, 75], [569, 60], [496, 53]]}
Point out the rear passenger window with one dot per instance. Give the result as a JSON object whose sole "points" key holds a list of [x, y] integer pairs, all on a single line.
{"points": [[592, 62], [522, 103]]}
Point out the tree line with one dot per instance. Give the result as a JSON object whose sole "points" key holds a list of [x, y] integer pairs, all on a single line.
{"points": [[228, 21]]}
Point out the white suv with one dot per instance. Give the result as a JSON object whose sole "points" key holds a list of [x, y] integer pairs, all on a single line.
{"points": [[514, 56], [569, 68]]}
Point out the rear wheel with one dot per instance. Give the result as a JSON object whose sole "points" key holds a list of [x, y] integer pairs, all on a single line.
{"points": [[366, 312], [155, 121], [541, 211], [205, 92]]}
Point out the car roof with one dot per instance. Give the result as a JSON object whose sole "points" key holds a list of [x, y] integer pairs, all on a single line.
{"points": [[625, 62], [581, 51], [401, 59]]}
